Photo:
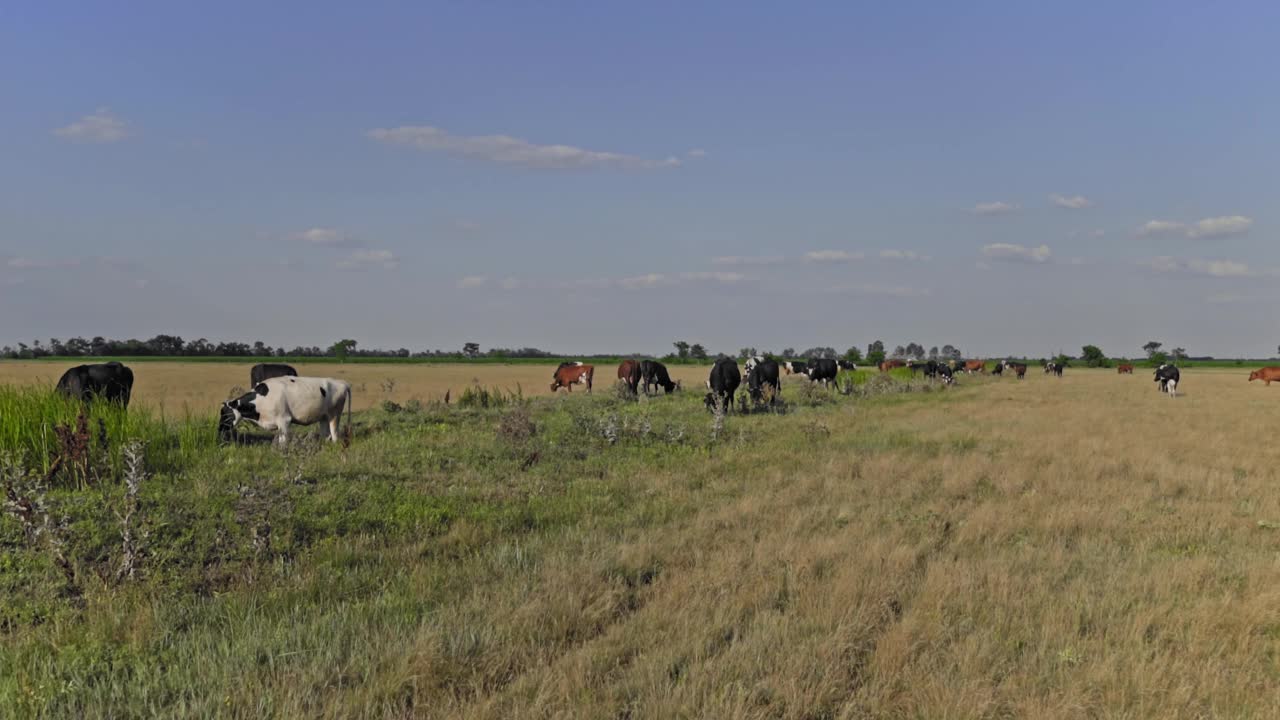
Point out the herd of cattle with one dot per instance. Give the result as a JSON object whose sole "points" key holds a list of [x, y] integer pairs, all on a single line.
{"points": [[280, 398]]}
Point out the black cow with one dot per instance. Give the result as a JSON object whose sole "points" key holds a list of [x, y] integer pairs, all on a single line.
{"points": [[935, 370], [823, 370], [847, 365], [264, 371], [1055, 368], [723, 383], [761, 374], [654, 374], [1168, 376], [998, 369], [112, 381]]}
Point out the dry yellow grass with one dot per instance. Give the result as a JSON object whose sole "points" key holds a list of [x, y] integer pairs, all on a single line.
{"points": [[200, 386]]}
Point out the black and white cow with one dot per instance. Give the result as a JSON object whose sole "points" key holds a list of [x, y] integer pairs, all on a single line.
{"points": [[823, 370], [654, 374], [111, 381], [723, 383], [266, 371], [935, 370], [847, 365], [762, 373], [795, 367], [277, 403], [998, 369], [1168, 376]]}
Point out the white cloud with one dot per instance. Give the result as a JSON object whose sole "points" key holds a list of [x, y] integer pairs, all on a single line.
{"points": [[1220, 226], [1207, 228], [651, 280], [508, 150], [716, 276], [98, 127], [472, 281], [647, 280], [903, 255], [697, 153], [1070, 202], [899, 291], [748, 260], [369, 260], [994, 208], [1016, 253], [1197, 266], [325, 237], [832, 256]]}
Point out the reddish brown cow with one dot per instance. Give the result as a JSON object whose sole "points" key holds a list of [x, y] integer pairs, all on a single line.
{"points": [[1125, 369], [570, 374], [629, 373], [888, 365], [975, 366], [1266, 375]]}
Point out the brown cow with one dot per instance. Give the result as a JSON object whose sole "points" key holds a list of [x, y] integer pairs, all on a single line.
{"points": [[1266, 375], [572, 373], [888, 365], [629, 373], [1125, 369], [975, 366]]}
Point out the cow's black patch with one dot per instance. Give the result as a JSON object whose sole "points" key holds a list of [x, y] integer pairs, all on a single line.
{"points": [[261, 388], [322, 393]]}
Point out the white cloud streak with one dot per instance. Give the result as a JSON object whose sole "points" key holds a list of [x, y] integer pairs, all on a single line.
{"points": [[994, 208], [748, 260], [325, 237], [369, 260], [472, 281], [832, 256], [1197, 266], [908, 255], [100, 127], [898, 291], [1070, 202], [507, 150], [1016, 253], [1221, 226]]}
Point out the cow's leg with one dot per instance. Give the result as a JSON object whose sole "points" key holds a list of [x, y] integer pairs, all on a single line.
{"points": [[333, 426], [282, 433]]}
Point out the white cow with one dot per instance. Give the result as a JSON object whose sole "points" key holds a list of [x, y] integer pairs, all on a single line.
{"points": [[277, 403]]}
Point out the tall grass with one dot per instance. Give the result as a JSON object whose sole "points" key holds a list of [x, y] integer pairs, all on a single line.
{"points": [[29, 416]]}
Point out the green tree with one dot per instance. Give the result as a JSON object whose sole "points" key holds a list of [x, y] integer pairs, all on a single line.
{"points": [[682, 349], [875, 353], [342, 349], [1093, 357], [853, 354], [471, 349], [1152, 347], [697, 352]]}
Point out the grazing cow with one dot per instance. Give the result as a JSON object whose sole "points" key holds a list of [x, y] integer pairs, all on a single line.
{"points": [[975, 366], [1054, 367], [655, 375], [795, 367], [266, 371], [1019, 369], [1127, 369], [1168, 376], [935, 370], [888, 365], [572, 373], [823, 370], [998, 369], [761, 374], [629, 373], [112, 381], [278, 403], [723, 383], [1266, 375], [847, 365]]}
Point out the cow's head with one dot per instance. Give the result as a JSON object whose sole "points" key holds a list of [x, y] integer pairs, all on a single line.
{"points": [[1255, 375], [233, 411]]}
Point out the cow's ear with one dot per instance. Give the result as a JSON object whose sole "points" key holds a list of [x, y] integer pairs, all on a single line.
{"points": [[261, 388]]}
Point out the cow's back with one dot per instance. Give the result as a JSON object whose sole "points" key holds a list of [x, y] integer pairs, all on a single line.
{"points": [[304, 400]]}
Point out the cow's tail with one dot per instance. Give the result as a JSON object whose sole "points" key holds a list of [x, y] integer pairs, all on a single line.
{"points": [[351, 401]]}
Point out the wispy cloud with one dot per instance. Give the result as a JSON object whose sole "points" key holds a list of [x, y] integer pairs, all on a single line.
{"points": [[100, 126], [1197, 266], [369, 260], [1016, 253], [1070, 202], [652, 280], [472, 281], [909, 255], [832, 256], [1213, 227], [697, 153], [507, 150], [643, 281], [748, 260], [994, 208], [326, 237]]}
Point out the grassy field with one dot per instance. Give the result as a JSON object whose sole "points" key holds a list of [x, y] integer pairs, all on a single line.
{"points": [[1075, 547]]}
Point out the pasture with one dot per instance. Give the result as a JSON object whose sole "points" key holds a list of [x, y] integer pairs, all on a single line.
{"points": [[1051, 548]]}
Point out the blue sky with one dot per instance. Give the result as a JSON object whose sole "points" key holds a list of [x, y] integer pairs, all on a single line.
{"points": [[1005, 177]]}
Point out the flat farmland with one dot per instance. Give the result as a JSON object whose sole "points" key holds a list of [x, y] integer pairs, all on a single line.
{"points": [[200, 386], [1073, 547]]}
